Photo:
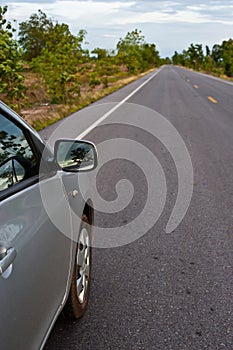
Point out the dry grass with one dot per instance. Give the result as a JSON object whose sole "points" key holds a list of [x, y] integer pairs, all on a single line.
{"points": [[43, 114]]}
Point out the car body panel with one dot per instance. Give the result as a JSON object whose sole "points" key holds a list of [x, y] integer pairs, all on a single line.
{"points": [[36, 287], [39, 221]]}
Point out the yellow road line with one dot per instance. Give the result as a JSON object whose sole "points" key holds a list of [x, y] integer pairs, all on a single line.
{"points": [[196, 86], [212, 99]]}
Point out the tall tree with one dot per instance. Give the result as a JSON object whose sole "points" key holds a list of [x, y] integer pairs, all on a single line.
{"points": [[150, 56], [33, 34], [196, 55], [132, 39], [58, 62], [178, 59], [216, 53], [207, 51], [11, 79], [227, 55], [130, 50]]}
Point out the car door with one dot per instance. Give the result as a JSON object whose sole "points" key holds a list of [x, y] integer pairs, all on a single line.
{"points": [[35, 256]]}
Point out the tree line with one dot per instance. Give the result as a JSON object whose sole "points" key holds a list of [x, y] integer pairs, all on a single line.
{"points": [[59, 60], [218, 60]]}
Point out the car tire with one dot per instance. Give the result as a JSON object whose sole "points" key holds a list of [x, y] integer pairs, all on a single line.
{"points": [[81, 278]]}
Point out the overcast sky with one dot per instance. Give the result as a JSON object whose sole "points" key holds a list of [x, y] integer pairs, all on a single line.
{"points": [[171, 25]]}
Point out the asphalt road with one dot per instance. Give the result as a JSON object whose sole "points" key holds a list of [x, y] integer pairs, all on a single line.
{"points": [[164, 290]]}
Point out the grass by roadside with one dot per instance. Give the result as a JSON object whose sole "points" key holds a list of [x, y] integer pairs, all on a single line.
{"points": [[217, 73], [221, 76], [41, 116]]}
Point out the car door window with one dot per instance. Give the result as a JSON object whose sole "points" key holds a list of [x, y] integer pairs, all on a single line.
{"points": [[17, 159]]}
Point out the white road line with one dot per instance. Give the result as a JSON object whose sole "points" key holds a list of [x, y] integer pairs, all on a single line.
{"points": [[106, 115]]}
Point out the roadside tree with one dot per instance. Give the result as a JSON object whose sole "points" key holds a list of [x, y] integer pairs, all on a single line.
{"points": [[11, 78]]}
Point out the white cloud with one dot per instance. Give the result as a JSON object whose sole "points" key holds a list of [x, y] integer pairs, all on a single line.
{"points": [[114, 36], [81, 13], [89, 11], [210, 8], [163, 17]]}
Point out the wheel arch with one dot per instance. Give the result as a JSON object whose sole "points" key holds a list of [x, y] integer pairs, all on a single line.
{"points": [[89, 211]]}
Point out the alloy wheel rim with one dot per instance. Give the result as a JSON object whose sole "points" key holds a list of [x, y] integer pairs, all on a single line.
{"points": [[83, 265]]}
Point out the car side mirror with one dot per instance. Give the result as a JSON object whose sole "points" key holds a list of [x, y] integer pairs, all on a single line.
{"points": [[75, 156]]}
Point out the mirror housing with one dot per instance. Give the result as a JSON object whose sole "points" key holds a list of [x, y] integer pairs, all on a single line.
{"points": [[75, 156]]}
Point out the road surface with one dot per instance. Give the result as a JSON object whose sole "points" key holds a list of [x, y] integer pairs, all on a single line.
{"points": [[164, 290]]}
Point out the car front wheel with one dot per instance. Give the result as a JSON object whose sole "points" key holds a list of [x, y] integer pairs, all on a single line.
{"points": [[81, 279]]}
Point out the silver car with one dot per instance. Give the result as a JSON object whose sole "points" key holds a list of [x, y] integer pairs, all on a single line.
{"points": [[45, 231]]}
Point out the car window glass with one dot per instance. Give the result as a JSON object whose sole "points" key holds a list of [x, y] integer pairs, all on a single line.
{"points": [[17, 160]]}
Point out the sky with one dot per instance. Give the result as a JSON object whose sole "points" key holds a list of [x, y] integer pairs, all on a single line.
{"points": [[171, 25]]}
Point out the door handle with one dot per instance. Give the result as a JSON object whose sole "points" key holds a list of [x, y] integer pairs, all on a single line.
{"points": [[7, 260]]}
